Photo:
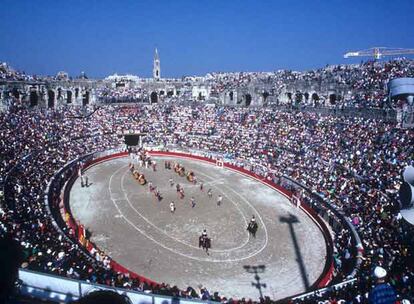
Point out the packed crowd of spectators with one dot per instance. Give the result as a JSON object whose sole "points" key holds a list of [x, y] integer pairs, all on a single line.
{"points": [[363, 83], [354, 163], [121, 94], [7, 73]]}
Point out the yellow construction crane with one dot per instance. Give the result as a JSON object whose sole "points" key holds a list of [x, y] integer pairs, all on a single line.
{"points": [[378, 52]]}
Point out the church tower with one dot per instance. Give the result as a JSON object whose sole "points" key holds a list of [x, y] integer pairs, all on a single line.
{"points": [[156, 72]]}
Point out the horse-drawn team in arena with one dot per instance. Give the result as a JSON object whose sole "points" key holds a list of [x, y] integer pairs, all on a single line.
{"points": [[142, 159]]}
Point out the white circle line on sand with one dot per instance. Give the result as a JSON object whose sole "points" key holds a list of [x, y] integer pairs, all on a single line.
{"points": [[176, 239], [162, 245], [251, 206]]}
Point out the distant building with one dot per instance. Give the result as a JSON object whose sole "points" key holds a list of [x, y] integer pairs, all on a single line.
{"points": [[83, 75], [127, 77], [62, 75]]}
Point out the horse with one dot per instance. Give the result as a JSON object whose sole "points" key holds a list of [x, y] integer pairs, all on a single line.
{"points": [[181, 171], [176, 167], [190, 176], [252, 228], [204, 242], [141, 179]]}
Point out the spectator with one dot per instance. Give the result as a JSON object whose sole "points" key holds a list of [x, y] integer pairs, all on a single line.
{"points": [[383, 293]]}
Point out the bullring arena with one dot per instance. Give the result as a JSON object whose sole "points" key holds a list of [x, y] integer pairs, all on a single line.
{"points": [[129, 224], [188, 152]]}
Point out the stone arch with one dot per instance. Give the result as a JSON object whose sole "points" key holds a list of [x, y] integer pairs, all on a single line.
{"points": [[200, 96], [33, 98], [306, 96], [59, 93], [265, 95], [170, 93], [85, 98], [248, 99], [15, 93], [50, 99], [332, 98], [69, 96], [231, 95], [76, 92], [154, 97], [162, 93], [315, 99], [298, 97]]}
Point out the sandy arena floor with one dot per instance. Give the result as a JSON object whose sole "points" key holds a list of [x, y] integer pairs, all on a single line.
{"points": [[136, 230]]}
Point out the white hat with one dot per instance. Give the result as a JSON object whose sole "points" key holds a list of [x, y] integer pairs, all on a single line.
{"points": [[380, 272]]}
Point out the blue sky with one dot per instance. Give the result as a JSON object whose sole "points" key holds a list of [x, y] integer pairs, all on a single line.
{"points": [[195, 37]]}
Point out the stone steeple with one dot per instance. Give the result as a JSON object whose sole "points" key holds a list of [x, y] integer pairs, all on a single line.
{"points": [[156, 72]]}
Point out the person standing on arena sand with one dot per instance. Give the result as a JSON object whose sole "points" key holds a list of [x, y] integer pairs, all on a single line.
{"points": [[219, 200], [84, 181], [157, 194], [172, 207], [181, 192], [192, 202], [171, 182], [210, 193], [80, 174], [201, 186]]}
